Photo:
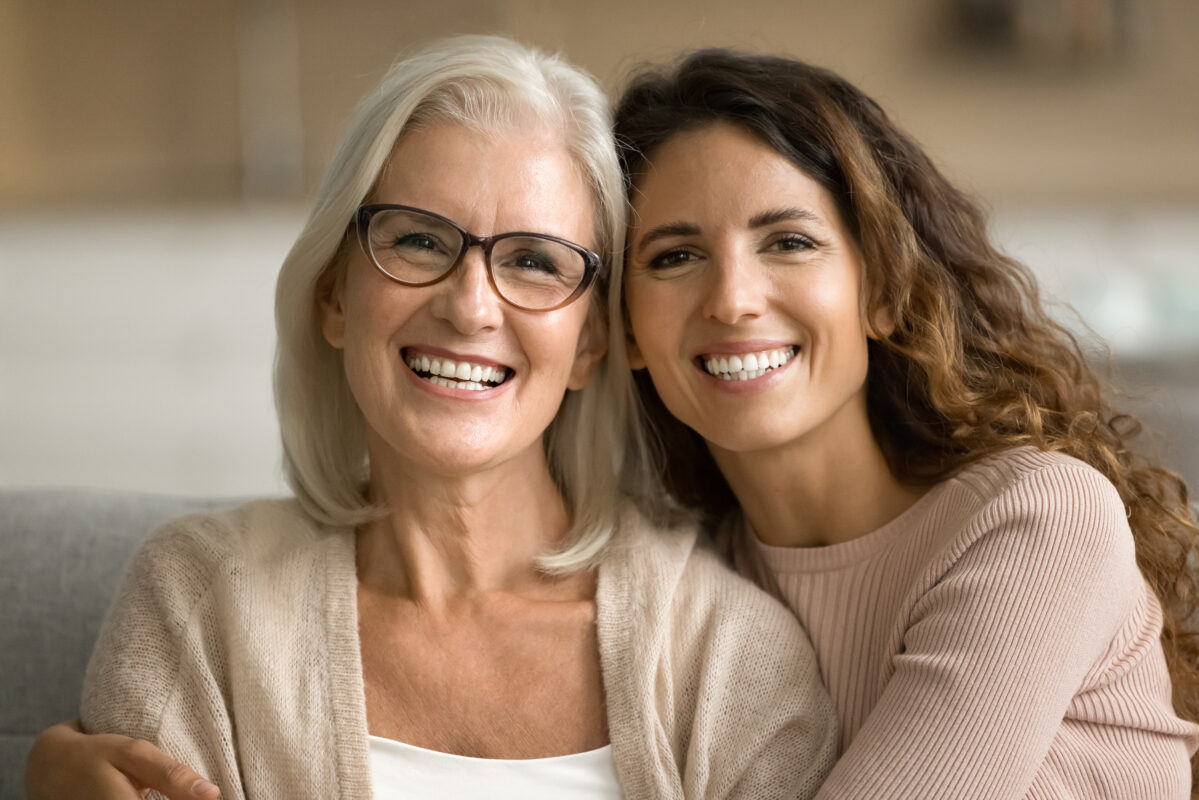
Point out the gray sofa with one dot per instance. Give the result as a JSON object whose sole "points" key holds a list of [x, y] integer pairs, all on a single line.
{"points": [[61, 555]]}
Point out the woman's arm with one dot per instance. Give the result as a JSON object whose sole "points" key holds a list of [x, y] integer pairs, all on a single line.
{"points": [[65, 762], [1041, 603]]}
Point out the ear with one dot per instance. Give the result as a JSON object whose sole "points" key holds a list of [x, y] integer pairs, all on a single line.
{"points": [[880, 323], [593, 344], [330, 300], [636, 360]]}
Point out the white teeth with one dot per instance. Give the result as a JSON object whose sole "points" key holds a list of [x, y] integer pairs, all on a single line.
{"points": [[470, 386], [743, 375], [456, 374], [748, 366]]}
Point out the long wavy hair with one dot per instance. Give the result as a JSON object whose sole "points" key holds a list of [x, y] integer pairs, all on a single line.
{"points": [[974, 366]]}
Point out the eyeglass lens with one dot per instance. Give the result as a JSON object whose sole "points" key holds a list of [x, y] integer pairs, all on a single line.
{"points": [[531, 271]]}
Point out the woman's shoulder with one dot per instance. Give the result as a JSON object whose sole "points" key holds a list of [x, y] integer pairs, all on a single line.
{"points": [[1022, 482], [698, 658], [1023, 500], [268, 555], [255, 531], [678, 570], [651, 550], [1028, 469]]}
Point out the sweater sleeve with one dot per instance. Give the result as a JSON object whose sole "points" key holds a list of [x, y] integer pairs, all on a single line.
{"points": [[1010, 621], [156, 672]]}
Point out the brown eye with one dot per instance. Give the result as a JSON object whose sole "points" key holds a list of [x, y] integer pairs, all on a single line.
{"points": [[671, 258], [792, 243], [418, 241]]}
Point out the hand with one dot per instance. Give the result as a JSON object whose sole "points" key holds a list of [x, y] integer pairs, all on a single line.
{"points": [[65, 762]]}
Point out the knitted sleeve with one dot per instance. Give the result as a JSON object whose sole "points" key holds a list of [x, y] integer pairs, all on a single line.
{"points": [[1006, 628], [156, 670]]}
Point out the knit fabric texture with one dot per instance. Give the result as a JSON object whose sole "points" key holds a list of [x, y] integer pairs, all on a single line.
{"points": [[233, 645], [995, 640]]}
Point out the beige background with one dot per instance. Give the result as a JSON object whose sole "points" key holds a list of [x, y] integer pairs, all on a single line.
{"points": [[156, 155], [149, 100]]}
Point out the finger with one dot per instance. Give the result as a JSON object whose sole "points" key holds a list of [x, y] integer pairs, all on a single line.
{"points": [[58, 774], [150, 768], [58, 766], [111, 784]]}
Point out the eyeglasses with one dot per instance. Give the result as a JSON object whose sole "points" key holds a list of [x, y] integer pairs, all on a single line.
{"points": [[532, 271]]}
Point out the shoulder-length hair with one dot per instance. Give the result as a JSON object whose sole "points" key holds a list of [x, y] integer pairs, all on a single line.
{"points": [[486, 83], [974, 366]]}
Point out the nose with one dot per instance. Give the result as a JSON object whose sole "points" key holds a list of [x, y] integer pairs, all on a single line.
{"points": [[737, 288], [466, 298]]}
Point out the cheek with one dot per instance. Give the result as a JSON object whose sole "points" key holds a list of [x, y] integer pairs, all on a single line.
{"points": [[832, 303], [551, 345], [365, 335], [650, 306]]}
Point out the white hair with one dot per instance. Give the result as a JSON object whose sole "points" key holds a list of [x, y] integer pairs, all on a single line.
{"points": [[486, 83]]}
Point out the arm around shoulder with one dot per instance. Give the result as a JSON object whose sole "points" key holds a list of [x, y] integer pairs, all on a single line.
{"points": [[1007, 625]]}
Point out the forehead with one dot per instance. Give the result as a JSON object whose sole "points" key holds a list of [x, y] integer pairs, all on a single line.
{"points": [[722, 171], [517, 178]]}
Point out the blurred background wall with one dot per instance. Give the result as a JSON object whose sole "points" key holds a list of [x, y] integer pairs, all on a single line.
{"points": [[156, 157]]}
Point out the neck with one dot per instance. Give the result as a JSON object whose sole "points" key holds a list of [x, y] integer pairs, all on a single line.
{"points": [[831, 486], [457, 536]]}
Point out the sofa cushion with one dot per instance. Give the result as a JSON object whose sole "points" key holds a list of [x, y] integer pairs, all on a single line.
{"points": [[61, 555]]}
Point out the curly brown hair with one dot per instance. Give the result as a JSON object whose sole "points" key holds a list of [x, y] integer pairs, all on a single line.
{"points": [[975, 364]]}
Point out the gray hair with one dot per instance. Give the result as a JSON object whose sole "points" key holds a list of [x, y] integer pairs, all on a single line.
{"points": [[485, 83]]}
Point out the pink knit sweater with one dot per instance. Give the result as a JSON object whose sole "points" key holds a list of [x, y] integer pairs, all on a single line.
{"points": [[995, 640]]}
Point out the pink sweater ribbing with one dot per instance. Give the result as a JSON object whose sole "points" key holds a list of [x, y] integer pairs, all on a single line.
{"points": [[996, 640]]}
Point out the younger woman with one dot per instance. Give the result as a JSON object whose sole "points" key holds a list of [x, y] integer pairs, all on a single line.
{"points": [[903, 445]]}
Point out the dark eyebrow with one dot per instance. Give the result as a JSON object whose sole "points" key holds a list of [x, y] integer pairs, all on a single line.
{"points": [[781, 215], [672, 229], [667, 231]]}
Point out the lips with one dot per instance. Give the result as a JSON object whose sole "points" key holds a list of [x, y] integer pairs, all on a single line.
{"points": [[746, 366], [453, 374]]}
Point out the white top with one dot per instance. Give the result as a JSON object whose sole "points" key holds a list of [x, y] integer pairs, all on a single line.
{"points": [[401, 770]]}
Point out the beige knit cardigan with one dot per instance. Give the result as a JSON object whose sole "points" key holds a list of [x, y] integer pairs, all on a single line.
{"points": [[233, 644]]}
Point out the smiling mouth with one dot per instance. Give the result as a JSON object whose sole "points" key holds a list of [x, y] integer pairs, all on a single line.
{"points": [[746, 366], [456, 374]]}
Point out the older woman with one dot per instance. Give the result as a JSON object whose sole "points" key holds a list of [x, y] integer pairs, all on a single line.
{"points": [[458, 602]]}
